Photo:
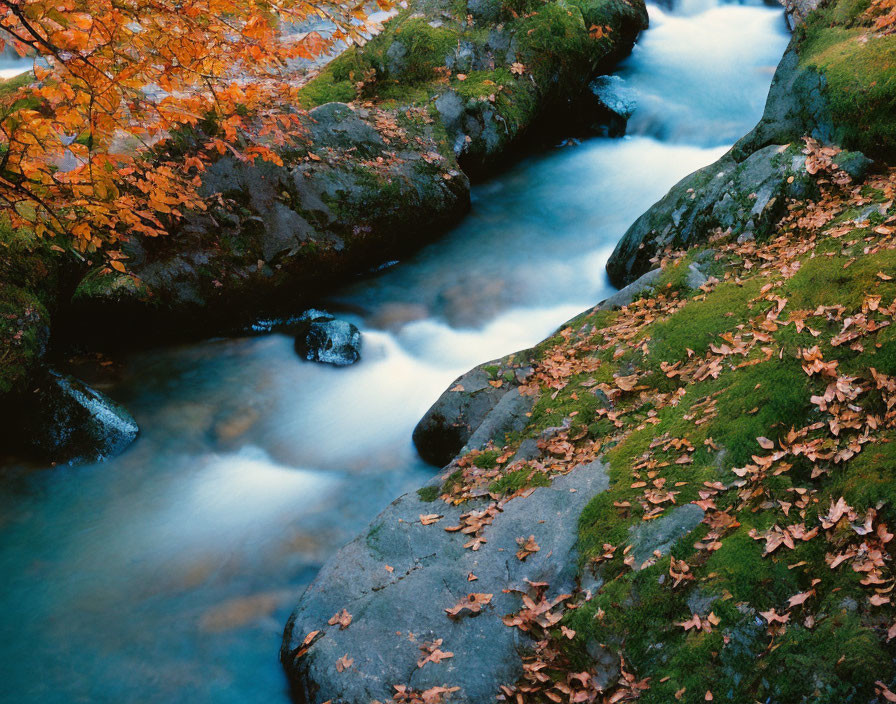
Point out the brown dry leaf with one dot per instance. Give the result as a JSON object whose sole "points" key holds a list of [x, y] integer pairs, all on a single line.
{"points": [[343, 663], [430, 518], [773, 617], [470, 605], [882, 690], [527, 547], [432, 653], [306, 643], [798, 599], [343, 618], [891, 632], [693, 622], [627, 383], [765, 443]]}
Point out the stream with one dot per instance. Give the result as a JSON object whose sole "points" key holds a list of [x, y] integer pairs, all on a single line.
{"points": [[167, 574]]}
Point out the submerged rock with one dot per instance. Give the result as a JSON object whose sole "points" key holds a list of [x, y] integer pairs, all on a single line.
{"points": [[614, 103], [324, 339], [397, 579], [69, 422]]}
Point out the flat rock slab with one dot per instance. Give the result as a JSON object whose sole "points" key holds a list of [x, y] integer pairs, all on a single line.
{"points": [[399, 576]]}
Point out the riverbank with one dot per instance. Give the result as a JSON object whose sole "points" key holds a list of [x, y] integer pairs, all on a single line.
{"points": [[393, 128], [731, 416]]}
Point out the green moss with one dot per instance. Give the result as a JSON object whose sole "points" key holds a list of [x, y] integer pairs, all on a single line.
{"points": [[860, 69], [426, 49], [109, 286], [841, 659], [487, 459], [453, 481], [574, 401], [700, 323], [519, 480], [742, 571], [429, 493], [23, 336], [870, 478], [762, 400], [832, 280], [31, 283], [555, 36], [882, 354], [325, 88], [491, 370], [402, 77]]}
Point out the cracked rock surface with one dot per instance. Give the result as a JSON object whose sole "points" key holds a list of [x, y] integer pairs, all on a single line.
{"points": [[399, 576]]}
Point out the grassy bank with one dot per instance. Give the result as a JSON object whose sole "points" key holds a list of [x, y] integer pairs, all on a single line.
{"points": [[767, 397]]}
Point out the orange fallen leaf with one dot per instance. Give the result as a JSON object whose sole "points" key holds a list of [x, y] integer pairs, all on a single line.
{"points": [[471, 603], [527, 547], [343, 663], [343, 618]]}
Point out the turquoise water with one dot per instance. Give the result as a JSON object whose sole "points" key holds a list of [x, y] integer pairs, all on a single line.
{"points": [[167, 574]]}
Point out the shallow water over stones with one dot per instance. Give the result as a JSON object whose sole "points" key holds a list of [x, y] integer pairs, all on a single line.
{"points": [[166, 575]]}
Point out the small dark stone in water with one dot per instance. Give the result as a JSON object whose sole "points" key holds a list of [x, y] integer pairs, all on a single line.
{"points": [[327, 340], [614, 103], [72, 423]]}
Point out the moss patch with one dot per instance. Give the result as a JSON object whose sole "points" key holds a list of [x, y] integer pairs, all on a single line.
{"points": [[859, 66]]}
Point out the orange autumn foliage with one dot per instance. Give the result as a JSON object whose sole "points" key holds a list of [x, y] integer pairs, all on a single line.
{"points": [[85, 151]]}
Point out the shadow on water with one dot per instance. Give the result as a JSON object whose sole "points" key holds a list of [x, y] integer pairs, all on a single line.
{"points": [[167, 574]]}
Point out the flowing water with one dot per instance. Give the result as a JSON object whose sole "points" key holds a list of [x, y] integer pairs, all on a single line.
{"points": [[167, 574]]}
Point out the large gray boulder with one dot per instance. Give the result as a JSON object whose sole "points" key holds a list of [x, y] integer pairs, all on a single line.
{"points": [[399, 576], [69, 422], [747, 197]]}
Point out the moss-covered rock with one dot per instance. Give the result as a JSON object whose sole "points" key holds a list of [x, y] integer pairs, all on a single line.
{"points": [[458, 414], [746, 198], [444, 89], [34, 276], [350, 199], [836, 84], [487, 70]]}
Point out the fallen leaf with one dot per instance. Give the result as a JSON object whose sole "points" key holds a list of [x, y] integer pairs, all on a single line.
{"points": [[471, 603], [527, 547], [765, 443], [343, 618]]}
